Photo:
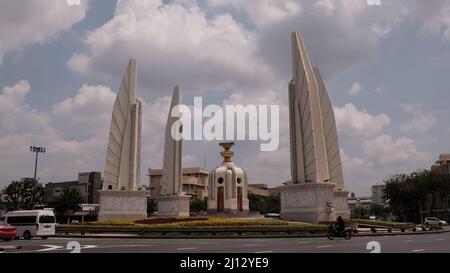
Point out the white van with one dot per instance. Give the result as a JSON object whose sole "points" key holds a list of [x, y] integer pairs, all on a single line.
{"points": [[32, 223]]}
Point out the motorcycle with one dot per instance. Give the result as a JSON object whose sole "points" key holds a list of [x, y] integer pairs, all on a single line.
{"points": [[333, 233]]}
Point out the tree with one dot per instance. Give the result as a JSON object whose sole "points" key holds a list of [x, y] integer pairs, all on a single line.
{"points": [[24, 194], [410, 194], [69, 200], [198, 205], [264, 204], [379, 210]]}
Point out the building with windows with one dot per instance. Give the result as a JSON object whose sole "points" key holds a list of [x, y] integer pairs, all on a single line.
{"points": [[378, 193], [194, 182], [258, 189], [360, 207], [88, 183], [442, 165]]}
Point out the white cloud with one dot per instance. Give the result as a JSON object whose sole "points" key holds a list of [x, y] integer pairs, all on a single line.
{"points": [[16, 114], [263, 12], [26, 22], [325, 6], [174, 43], [388, 151], [74, 133], [435, 17], [355, 89], [420, 121], [88, 113], [352, 122], [268, 167]]}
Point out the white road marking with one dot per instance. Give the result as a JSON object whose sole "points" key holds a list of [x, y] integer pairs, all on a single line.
{"points": [[50, 248], [302, 242], [439, 239], [407, 241], [324, 246], [252, 245], [266, 251], [418, 250], [186, 248], [88, 246], [132, 245]]}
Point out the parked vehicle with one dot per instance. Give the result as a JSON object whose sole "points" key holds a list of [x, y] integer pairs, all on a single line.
{"points": [[434, 222], [333, 232], [272, 215], [32, 223], [7, 232]]}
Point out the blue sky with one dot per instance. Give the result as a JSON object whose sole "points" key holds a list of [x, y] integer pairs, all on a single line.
{"points": [[385, 67]]}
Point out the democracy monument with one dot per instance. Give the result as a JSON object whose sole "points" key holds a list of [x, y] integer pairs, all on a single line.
{"points": [[315, 193], [173, 201], [120, 196]]}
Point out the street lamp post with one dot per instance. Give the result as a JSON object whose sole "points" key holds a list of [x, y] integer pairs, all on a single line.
{"points": [[37, 150]]}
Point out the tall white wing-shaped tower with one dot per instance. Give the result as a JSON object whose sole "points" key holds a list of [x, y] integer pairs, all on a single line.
{"points": [[316, 190], [123, 156], [171, 178], [121, 196], [173, 201]]}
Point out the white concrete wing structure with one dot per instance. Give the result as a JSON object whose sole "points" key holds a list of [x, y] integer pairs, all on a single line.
{"points": [[316, 191], [120, 197], [172, 170], [123, 156], [173, 201]]}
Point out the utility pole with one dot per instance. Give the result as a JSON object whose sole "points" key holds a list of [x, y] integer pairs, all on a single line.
{"points": [[37, 150]]}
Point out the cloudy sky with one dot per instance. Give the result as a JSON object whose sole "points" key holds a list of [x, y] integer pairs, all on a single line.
{"points": [[386, 68]]}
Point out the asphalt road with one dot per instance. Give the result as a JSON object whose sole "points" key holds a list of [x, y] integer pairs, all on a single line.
{"points": [[434, 243]]}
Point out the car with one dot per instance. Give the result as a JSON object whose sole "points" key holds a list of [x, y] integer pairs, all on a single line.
{"points": [[434, 222], [272, 215], [7, 232]]}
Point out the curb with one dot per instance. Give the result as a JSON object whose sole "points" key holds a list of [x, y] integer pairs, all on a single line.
{"points": [[130, 236], [5, 248]]}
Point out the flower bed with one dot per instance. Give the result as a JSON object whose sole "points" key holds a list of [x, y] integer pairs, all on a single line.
{"points": [[197, 222]]}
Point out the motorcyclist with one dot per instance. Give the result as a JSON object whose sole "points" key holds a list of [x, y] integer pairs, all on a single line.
{"points": [[340, 225]]}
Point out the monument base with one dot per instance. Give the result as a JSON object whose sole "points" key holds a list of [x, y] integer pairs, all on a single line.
{"points": [[173, 205], [122, 205], [341, 204], [308, 202]]}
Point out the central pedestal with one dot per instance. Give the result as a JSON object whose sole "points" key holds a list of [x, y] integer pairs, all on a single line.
{"points": [[122, 205], [308, 202], [173, 205]]}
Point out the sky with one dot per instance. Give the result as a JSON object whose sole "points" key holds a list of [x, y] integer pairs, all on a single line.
{"points": [[386, 68]]}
